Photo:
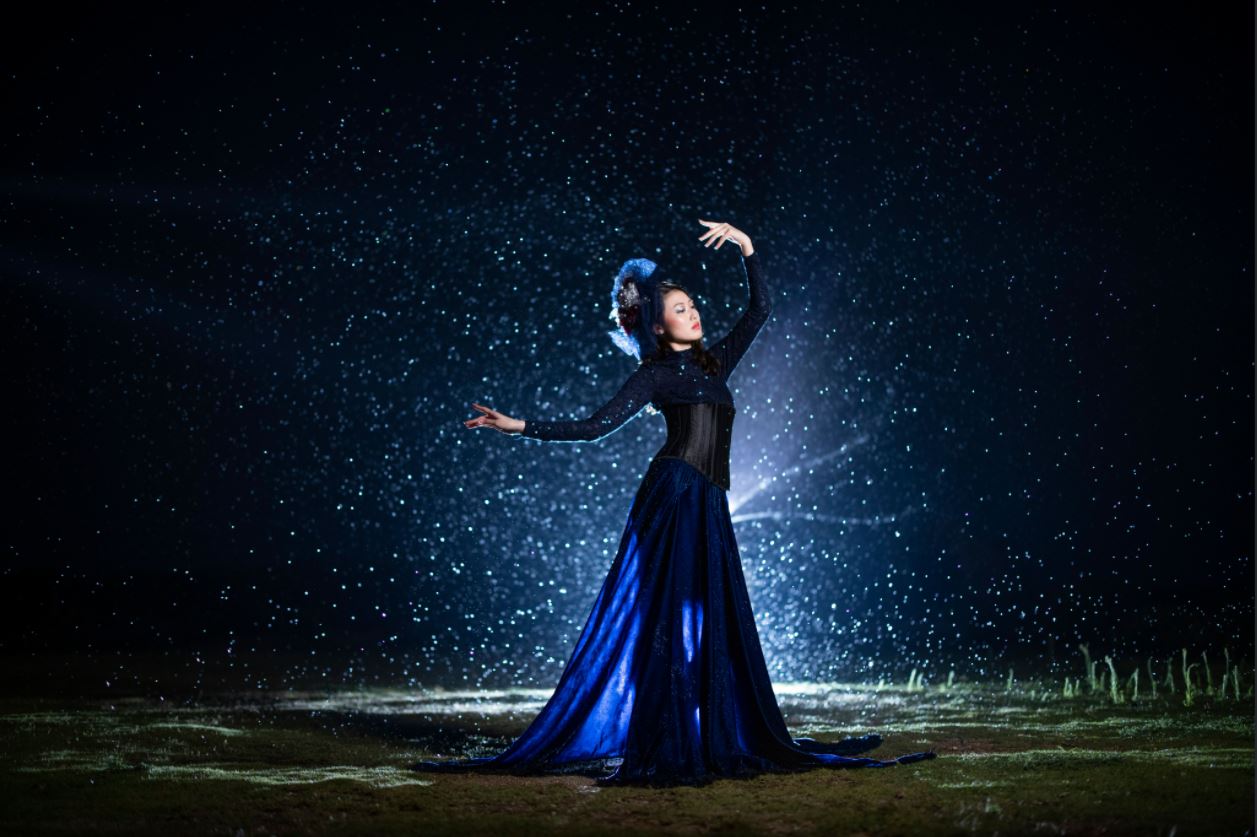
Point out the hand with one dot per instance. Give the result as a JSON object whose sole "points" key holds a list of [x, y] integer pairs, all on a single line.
{"points": [[720, 233], [492, 418]]}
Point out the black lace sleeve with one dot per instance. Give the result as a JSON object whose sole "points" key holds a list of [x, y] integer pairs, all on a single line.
{"points": [[635, 394], [734, 344]]}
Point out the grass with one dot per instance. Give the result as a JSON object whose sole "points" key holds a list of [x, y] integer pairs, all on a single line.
{"points": [[1019, 760]]}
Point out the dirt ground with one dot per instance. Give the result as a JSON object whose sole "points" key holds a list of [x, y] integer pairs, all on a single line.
{"points": [[1025, 761]]}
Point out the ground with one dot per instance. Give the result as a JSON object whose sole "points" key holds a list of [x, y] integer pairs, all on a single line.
{"points": [[1026, 760]]}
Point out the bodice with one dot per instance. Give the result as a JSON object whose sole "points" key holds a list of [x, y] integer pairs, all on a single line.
{"points": [[701, 434], [698, 405]]}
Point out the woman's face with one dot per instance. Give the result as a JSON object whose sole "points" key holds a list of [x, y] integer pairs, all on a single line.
{"points": [[681, 323]]}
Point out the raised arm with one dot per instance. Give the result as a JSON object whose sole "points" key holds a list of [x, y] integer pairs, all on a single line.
{"points": [[734, 344], [635, 394]]}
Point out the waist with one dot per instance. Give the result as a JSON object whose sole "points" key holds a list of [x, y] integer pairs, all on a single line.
{"points": [[702, 435]]}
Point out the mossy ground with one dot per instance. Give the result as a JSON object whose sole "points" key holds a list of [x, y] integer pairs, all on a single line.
{"points": [[1010, 762]]}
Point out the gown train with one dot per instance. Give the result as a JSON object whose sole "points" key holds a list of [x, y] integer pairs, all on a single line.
{"points": [[667, 683]]}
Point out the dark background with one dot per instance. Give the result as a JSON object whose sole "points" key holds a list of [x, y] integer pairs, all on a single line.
{"points": [[257, 266]]}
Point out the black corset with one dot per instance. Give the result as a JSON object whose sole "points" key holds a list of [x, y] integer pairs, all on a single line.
{"points": [[701, 434]]}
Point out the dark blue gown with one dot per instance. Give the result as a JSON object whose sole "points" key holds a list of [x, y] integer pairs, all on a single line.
{"points": [[667, 684]]}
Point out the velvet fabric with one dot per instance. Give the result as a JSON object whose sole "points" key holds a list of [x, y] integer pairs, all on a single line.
{"points": [[667, 684]]}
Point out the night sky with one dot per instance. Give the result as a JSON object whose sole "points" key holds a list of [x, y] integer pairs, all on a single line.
{"points": [[256, 269]]}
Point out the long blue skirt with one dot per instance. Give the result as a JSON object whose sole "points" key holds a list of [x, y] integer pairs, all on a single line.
{"points": [[667, 684]]}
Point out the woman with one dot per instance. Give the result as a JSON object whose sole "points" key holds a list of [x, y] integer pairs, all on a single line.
{"points": [[667, 684]]}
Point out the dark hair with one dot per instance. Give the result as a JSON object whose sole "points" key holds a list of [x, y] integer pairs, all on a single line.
{"points": [[705, 359]]}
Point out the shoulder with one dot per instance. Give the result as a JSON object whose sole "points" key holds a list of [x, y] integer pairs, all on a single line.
{"points": [[643, 375]]}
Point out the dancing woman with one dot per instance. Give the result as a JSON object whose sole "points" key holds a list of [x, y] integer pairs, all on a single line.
{"points": [[667, 684]]}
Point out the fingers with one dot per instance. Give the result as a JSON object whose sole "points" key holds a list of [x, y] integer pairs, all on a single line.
{"points": [[723, 233], [480, 421], [712, 224], [711, 234], [719, 234]]}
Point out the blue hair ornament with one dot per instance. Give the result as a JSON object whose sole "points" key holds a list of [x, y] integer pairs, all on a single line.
{"points": [[636, 305]]}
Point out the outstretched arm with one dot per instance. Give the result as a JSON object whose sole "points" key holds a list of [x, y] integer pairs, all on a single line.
{"points": [[734, 344], [635, 394]]}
